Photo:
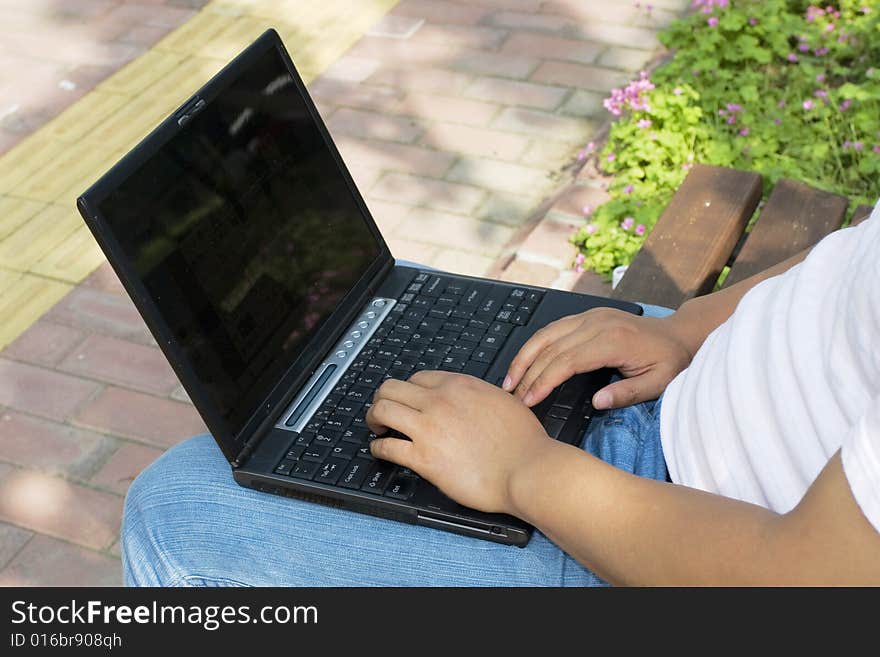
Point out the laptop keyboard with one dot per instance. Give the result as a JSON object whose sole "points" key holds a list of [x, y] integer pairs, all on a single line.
{"points": [[439, 323]]}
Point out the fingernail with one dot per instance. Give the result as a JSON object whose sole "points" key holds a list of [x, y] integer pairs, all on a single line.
{"points": [[602, 400], [529, 398], [508, 383]]}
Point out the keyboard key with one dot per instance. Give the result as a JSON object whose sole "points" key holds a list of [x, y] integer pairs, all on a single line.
{"points": [[455, 288], [422, 277], [336, 423], [446, 337], [348, 408], [355, 435], [378, 366], [295, 452], [440, 313], [518, 293], [359, 393], [534, 297], [333, 399], [304, 470], [405, 326], [416, 315], [437, 350], [500, 329], [345, 451], [330, 471], [473, 296], [527, 308], [492, 341], [455, 327], [470, 335], [414, 288], [567, 397], [445, 301], [402, 488], [520, 319], [462, 313], [559, 412], [369, 380], [476, 369], [285, 467], [422, 302], [478, 324], [316, 452], [464, 350], [355, 474], [484, 355], [379, 477], [305, 439], [363, 452], [504, 315], [435, 286], [553, 426], [509, 306], [452, 363]]}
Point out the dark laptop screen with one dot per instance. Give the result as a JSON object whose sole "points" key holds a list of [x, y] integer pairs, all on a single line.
{"points": [[245, 234]]}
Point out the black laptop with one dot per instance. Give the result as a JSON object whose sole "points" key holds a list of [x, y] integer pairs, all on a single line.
{"points": [[244, 243]]}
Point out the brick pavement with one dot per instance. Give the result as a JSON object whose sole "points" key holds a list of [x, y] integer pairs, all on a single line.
{"points": [[459, 121]]}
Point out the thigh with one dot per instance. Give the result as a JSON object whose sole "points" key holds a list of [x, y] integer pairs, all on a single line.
{"points": [[188, 523]]}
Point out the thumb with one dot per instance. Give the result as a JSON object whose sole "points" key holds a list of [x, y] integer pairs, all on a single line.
{"points": [[627, 392]]}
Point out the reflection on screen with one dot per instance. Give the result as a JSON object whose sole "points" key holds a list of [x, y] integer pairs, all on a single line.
{"points": [[245, 234]]}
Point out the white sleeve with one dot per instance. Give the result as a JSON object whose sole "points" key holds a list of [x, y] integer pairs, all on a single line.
{"points": [[860, 454]]}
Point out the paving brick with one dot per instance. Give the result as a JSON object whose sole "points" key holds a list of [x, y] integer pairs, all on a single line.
{"points": [[40, 391], [124, 465], [159, 422], [417, 252], [502, 65], [49, 505], [588, 282], [585, 103], [508, 208], [517, 20], [446, 108], [51, 447], [23, 302], [105, 280], [73, 259], [529, 273], [428, 80], [45, 343], [518, 5], [142, 35], [344, 93], [549, 155], [428, 192], [364, 175], [441, 12], [44, 231], [577, 197], [458, 262], [371, 125], [112, 360], [581, 77], [543, 124], [404, 54], [549, 243], [48, 562], [515, 92], [475, 141], [351, 69], [395, 27], [552, 47], [459, 36], [499, 176], [396, 157], [105, 312], [621, 35], [625, 59], [12, 539], [455, 231], [387, 215]]}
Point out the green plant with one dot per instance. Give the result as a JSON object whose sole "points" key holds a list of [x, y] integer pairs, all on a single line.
{"points": [[781, 87]]}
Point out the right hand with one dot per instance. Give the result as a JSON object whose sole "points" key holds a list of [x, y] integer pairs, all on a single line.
{"points": [[648, 351]]}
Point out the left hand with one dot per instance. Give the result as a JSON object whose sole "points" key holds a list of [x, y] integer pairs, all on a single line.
{"points": [[467, 437]]}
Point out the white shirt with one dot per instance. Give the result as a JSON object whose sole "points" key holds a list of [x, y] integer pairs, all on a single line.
{"points": [[790, 378]]}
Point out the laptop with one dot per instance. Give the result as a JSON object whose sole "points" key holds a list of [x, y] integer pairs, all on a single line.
{"points": [[240, 236]]}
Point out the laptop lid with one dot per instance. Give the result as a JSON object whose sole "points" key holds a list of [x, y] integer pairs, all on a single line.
{"points": [[240, 236]]}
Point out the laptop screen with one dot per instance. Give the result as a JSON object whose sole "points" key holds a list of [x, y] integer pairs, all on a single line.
{"points": [[246, 235]]}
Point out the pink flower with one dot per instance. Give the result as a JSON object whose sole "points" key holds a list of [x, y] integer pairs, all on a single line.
{"points": [[591, 147], [821, 52], [876, 148], [731, 120], [713, 21], [866, 10], [628, 190], [858, 145], [734, 108], [744, 132], [821, 93], [780, 104], [644, 123], [579, 260], [640, 230], [777, 121], [820, 77], [753, 21], [803, 47], [829, 27], [678, 91], [792, 58], [591, 228], [579, 269], [808, 105], [611, 157], [587, 210], [845, 105], [632, 96], [627, 223]]}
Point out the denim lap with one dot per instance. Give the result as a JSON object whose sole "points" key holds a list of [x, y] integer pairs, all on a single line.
{"points": [[187, 523]]}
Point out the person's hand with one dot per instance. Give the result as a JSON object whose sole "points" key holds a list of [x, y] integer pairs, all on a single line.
{"points": [[648, 351], [467, 437]]}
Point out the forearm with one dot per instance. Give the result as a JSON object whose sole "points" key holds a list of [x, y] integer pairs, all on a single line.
{"points": [[636, 531], [698, 317]]}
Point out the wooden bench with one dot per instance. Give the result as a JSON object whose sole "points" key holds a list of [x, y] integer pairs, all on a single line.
{"points": [[702, 230]]}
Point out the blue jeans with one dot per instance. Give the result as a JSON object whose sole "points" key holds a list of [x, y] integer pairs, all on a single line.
{"points": [[187, 523]]}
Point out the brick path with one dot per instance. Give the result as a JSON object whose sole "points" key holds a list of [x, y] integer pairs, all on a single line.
{"points": [[458, 119]]}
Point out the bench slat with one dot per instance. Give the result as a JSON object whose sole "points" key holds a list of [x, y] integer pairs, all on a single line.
{"points": [[693, 238], [796, 217], [861, 213]]}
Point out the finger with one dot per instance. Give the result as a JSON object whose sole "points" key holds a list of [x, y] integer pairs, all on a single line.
{"points": [[403, 392], [429, 378], [401, 452], [573, 345], [534, 346], [387, 414], [627, 392]]}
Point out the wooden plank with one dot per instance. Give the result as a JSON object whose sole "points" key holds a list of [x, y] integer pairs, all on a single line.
{"points": [[795, 218], [689, 246], [860, 214]]}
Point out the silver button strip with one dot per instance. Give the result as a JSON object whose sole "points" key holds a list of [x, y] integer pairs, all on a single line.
{"points": [[344, 353]]}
